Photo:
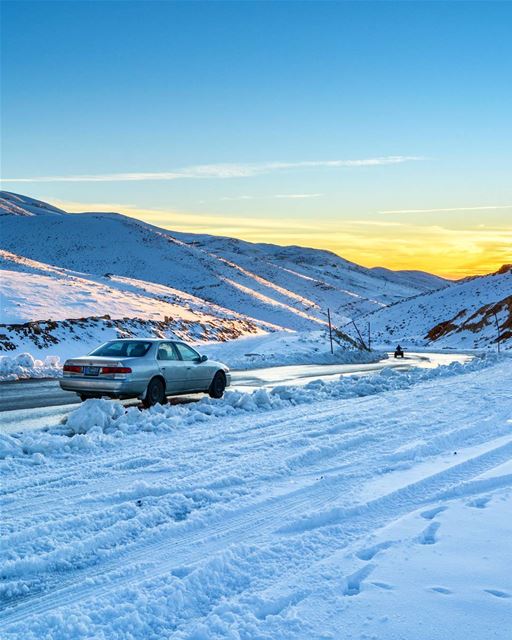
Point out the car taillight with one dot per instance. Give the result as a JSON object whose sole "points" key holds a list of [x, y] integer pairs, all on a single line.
{"points": [[115, 370], [72, 368]]}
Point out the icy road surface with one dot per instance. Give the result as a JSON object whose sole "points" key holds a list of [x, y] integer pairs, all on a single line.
{"points": [[372, 507], [34, 403]]}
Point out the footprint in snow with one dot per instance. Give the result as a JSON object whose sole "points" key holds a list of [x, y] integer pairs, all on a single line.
{"points": [[383, 585], [352, 584], [428, 536], [432, 513], [369, 552], [443, 590], [479, 503], [497, 593]]}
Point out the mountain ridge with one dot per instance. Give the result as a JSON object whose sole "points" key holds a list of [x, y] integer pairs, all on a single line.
{"points": [[291, 287], [61, 266]]}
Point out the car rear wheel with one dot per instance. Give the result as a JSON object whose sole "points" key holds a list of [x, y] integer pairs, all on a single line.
{"points": [[218, 385], [155, 393]]}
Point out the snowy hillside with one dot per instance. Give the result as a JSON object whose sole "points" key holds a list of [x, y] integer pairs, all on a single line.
{"points": [[60, 266], [33, 290], [461, 316], [288, 286], [348, 286], [417, 279], [17, 205]]}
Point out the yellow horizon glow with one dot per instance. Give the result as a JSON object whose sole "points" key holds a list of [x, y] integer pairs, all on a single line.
{"points": [[440, 250]]}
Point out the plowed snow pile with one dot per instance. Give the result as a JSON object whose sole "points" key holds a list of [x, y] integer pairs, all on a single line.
{"points": [[24, 365], [253, 352], [369, 507]]}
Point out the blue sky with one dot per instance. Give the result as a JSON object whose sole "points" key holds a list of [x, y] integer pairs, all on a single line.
{"points": [[292, 122]]}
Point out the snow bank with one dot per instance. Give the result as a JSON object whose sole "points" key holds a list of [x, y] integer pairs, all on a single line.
{"points": [[283, 348], [24, 365], [99, 422], [263, 350]]}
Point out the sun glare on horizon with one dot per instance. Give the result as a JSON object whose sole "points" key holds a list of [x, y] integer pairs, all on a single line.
{"points": [[449, 252]]}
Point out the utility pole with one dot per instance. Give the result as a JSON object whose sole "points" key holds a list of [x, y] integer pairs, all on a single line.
{"points": [[330, 328], [497, 329], [369, 338], [360, 336]]}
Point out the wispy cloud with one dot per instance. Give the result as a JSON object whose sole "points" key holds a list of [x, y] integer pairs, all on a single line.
{"points": [[291, 196], [222, 171], [448, 209], [238, 198], [298, 196]]}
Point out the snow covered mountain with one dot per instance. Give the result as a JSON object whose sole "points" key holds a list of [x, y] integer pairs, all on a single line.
{"points": [[59, 266], [16, 205], [463, 316]]}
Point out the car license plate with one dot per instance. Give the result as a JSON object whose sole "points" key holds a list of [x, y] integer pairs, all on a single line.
{"points": [[91, 371]]}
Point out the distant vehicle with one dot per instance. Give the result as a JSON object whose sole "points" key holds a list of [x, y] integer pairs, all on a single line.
{"points": [[148, 369], [399, 352]]}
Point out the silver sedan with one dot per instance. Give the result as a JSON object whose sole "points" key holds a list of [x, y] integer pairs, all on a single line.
{"points": [[148, 369]]}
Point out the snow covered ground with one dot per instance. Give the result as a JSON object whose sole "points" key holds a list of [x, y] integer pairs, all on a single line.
{"points": [[372, 507]]}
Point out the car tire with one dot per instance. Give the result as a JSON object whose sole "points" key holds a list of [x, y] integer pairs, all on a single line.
{"points": [[83, 398], [218, 385], [155, 393]]}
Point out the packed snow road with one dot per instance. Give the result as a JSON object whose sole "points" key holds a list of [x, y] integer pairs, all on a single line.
{"points": [[370, 507], [29, 404]]}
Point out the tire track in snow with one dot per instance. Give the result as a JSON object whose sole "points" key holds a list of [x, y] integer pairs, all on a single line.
{"points": [[182, 549], [336, 411], [276, 420]]}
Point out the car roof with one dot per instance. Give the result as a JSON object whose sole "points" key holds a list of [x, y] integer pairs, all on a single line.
{"points": [[144, 340]]}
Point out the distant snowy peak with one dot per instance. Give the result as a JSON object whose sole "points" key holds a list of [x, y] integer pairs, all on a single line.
{"points": [[13, 204], [418, 279]]}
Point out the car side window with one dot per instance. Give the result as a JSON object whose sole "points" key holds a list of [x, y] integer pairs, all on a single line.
{"points": [[137, 349], [186, 352], [166, 352]]}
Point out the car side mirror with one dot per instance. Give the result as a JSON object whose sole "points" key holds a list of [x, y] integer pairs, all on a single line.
{"points": [[204, 358]]}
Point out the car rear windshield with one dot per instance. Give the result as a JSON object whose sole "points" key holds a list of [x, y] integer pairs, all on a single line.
{"points": [[123, 349]]}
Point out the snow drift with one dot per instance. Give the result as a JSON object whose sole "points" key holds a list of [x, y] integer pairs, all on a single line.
{"points": [[24, 365], [98, 422]]}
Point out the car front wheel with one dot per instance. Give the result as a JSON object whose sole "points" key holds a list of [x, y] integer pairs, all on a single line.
{"points": [[218, 385], [155, 393]]}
